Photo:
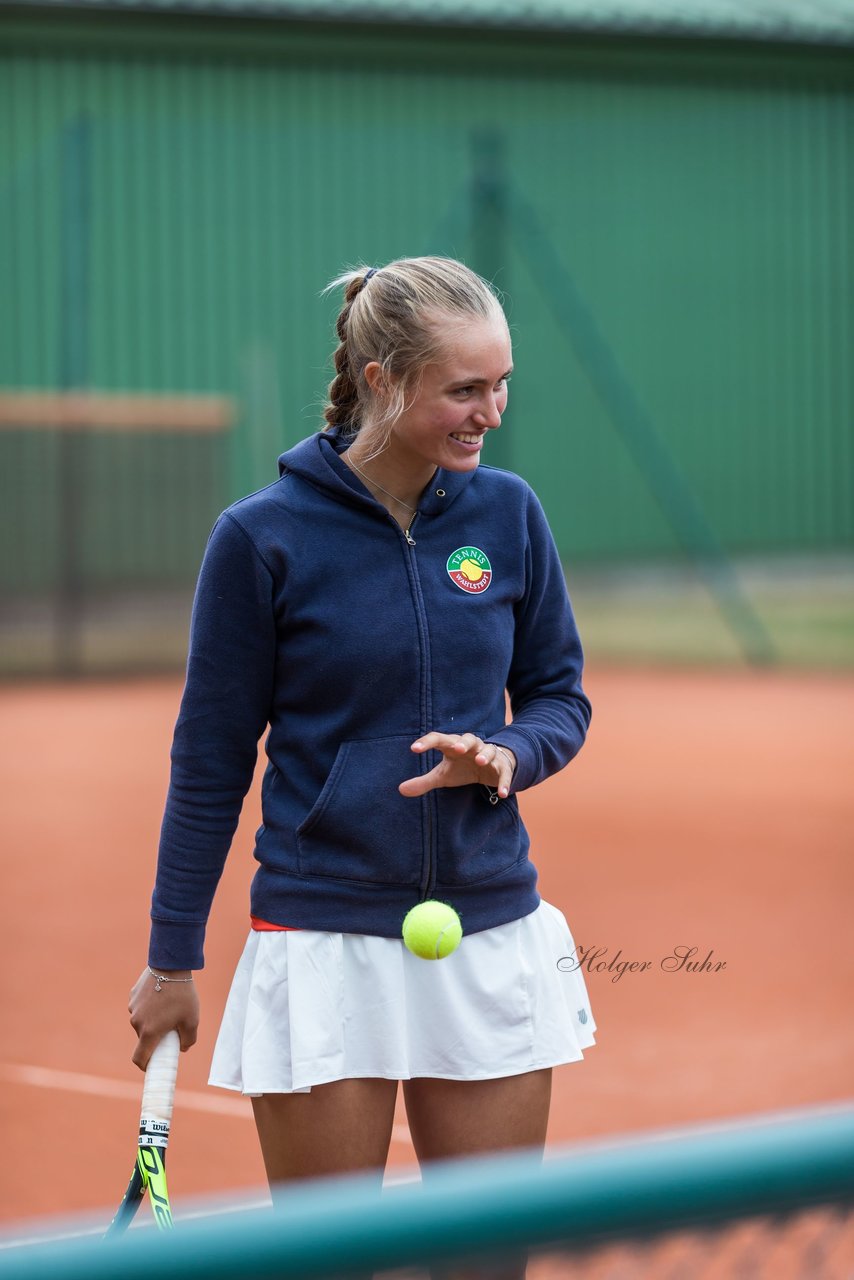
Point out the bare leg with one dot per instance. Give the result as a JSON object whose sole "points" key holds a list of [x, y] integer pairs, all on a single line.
{"points": [[451, 1118], [341, 1127]]}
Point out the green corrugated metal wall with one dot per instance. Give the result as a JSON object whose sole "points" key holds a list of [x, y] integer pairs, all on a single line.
{"points": [[703, 209]]}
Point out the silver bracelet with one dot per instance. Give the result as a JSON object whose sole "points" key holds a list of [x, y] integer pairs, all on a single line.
{"points": [[498, 747], [161, 978]]}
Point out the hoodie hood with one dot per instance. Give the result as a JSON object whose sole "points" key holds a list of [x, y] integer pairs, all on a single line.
{"points": [[317, 460]]}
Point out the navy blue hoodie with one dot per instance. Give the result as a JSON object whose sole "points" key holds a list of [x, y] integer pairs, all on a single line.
{"points": [[315, 616]]}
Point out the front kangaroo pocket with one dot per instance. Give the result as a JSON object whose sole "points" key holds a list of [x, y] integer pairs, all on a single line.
{"points": [[361, 827], [477, 840]]}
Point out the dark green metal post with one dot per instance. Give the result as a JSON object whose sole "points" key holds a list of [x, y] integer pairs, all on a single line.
{"points": [[661, 473], [491, 244], [73, 363]]}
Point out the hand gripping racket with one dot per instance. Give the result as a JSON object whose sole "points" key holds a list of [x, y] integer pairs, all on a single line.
{"points": [[149, 1172]]}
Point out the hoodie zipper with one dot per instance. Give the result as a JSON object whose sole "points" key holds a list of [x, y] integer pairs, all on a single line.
{"points": [[407, 532], [425, 691]]}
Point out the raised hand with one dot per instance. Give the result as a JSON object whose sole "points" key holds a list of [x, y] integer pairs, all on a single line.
{"points": [[466, 759]]}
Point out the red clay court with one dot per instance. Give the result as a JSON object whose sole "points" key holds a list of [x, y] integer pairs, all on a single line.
{"points": [[726, 827]]}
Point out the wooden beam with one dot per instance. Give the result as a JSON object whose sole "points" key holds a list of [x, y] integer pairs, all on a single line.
{"points": [[116, 411]]}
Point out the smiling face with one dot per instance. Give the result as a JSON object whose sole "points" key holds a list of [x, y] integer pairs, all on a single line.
{"points": [[461, 398]]}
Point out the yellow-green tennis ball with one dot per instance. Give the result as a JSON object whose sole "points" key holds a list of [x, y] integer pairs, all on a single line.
{"points": [[432, 930]]}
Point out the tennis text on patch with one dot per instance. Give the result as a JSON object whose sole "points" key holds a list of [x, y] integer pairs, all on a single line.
{"points": [[470, 570]]}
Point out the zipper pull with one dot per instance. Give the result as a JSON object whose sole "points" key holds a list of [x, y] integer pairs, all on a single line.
{"points": [[409, 537]]}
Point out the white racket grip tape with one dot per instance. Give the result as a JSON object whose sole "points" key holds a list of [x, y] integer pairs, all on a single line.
{"points": [[158, 1093]]}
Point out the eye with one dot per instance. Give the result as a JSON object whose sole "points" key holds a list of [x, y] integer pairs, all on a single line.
{"points": [[466, 392]]}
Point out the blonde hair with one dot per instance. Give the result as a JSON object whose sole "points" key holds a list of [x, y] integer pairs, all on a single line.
{"points": [[397, 316]]}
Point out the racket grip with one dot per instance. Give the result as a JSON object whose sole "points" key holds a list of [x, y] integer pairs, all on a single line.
{"points": [[158, 1093]]}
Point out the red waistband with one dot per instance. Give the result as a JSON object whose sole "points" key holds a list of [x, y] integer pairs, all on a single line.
{"points": [[264, 926]]}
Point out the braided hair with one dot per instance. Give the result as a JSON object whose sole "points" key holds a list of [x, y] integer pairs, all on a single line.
{"points": [[344, 409]]}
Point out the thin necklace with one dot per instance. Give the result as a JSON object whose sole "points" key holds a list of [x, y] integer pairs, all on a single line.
{"points": [[377, 485]]}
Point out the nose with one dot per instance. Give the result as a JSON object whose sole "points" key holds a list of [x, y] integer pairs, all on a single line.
{"points": [[489, 411]]}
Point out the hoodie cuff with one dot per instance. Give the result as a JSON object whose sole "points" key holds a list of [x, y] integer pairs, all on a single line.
{"points": [[173, 945]]}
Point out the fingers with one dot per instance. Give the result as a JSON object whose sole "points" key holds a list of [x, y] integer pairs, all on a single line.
{"points": [[187, 1034], [504, 762], [454, 744], [420, 785], [492, 760], [467, 759], [149, 1039], [144, 1049]]}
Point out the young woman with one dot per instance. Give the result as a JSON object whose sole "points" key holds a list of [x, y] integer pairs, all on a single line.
{"points": [[370, 610]]}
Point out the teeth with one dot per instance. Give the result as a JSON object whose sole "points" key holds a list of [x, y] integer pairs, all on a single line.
{"points": [[465, 439]]}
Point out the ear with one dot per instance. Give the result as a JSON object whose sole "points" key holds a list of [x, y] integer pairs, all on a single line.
{"points": [[375, 378]]}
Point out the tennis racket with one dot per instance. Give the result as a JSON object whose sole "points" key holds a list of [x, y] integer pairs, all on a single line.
{"points": [[149, 1172]]}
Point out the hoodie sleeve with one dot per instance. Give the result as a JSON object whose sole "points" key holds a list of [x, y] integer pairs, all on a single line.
{"points": [[551, 712], [224, 710]]}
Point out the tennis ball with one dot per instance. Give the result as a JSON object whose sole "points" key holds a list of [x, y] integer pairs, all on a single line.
{"points": [[432, 930]]}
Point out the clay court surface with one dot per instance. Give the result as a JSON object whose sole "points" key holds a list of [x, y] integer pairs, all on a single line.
{"points": [[707, 810]]}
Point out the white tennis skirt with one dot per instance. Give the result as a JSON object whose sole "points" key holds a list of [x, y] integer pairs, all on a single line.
{"points": [[308, 1007]]}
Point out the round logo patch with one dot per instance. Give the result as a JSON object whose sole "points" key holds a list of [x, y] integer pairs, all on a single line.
{"points": [[470, 569]]}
